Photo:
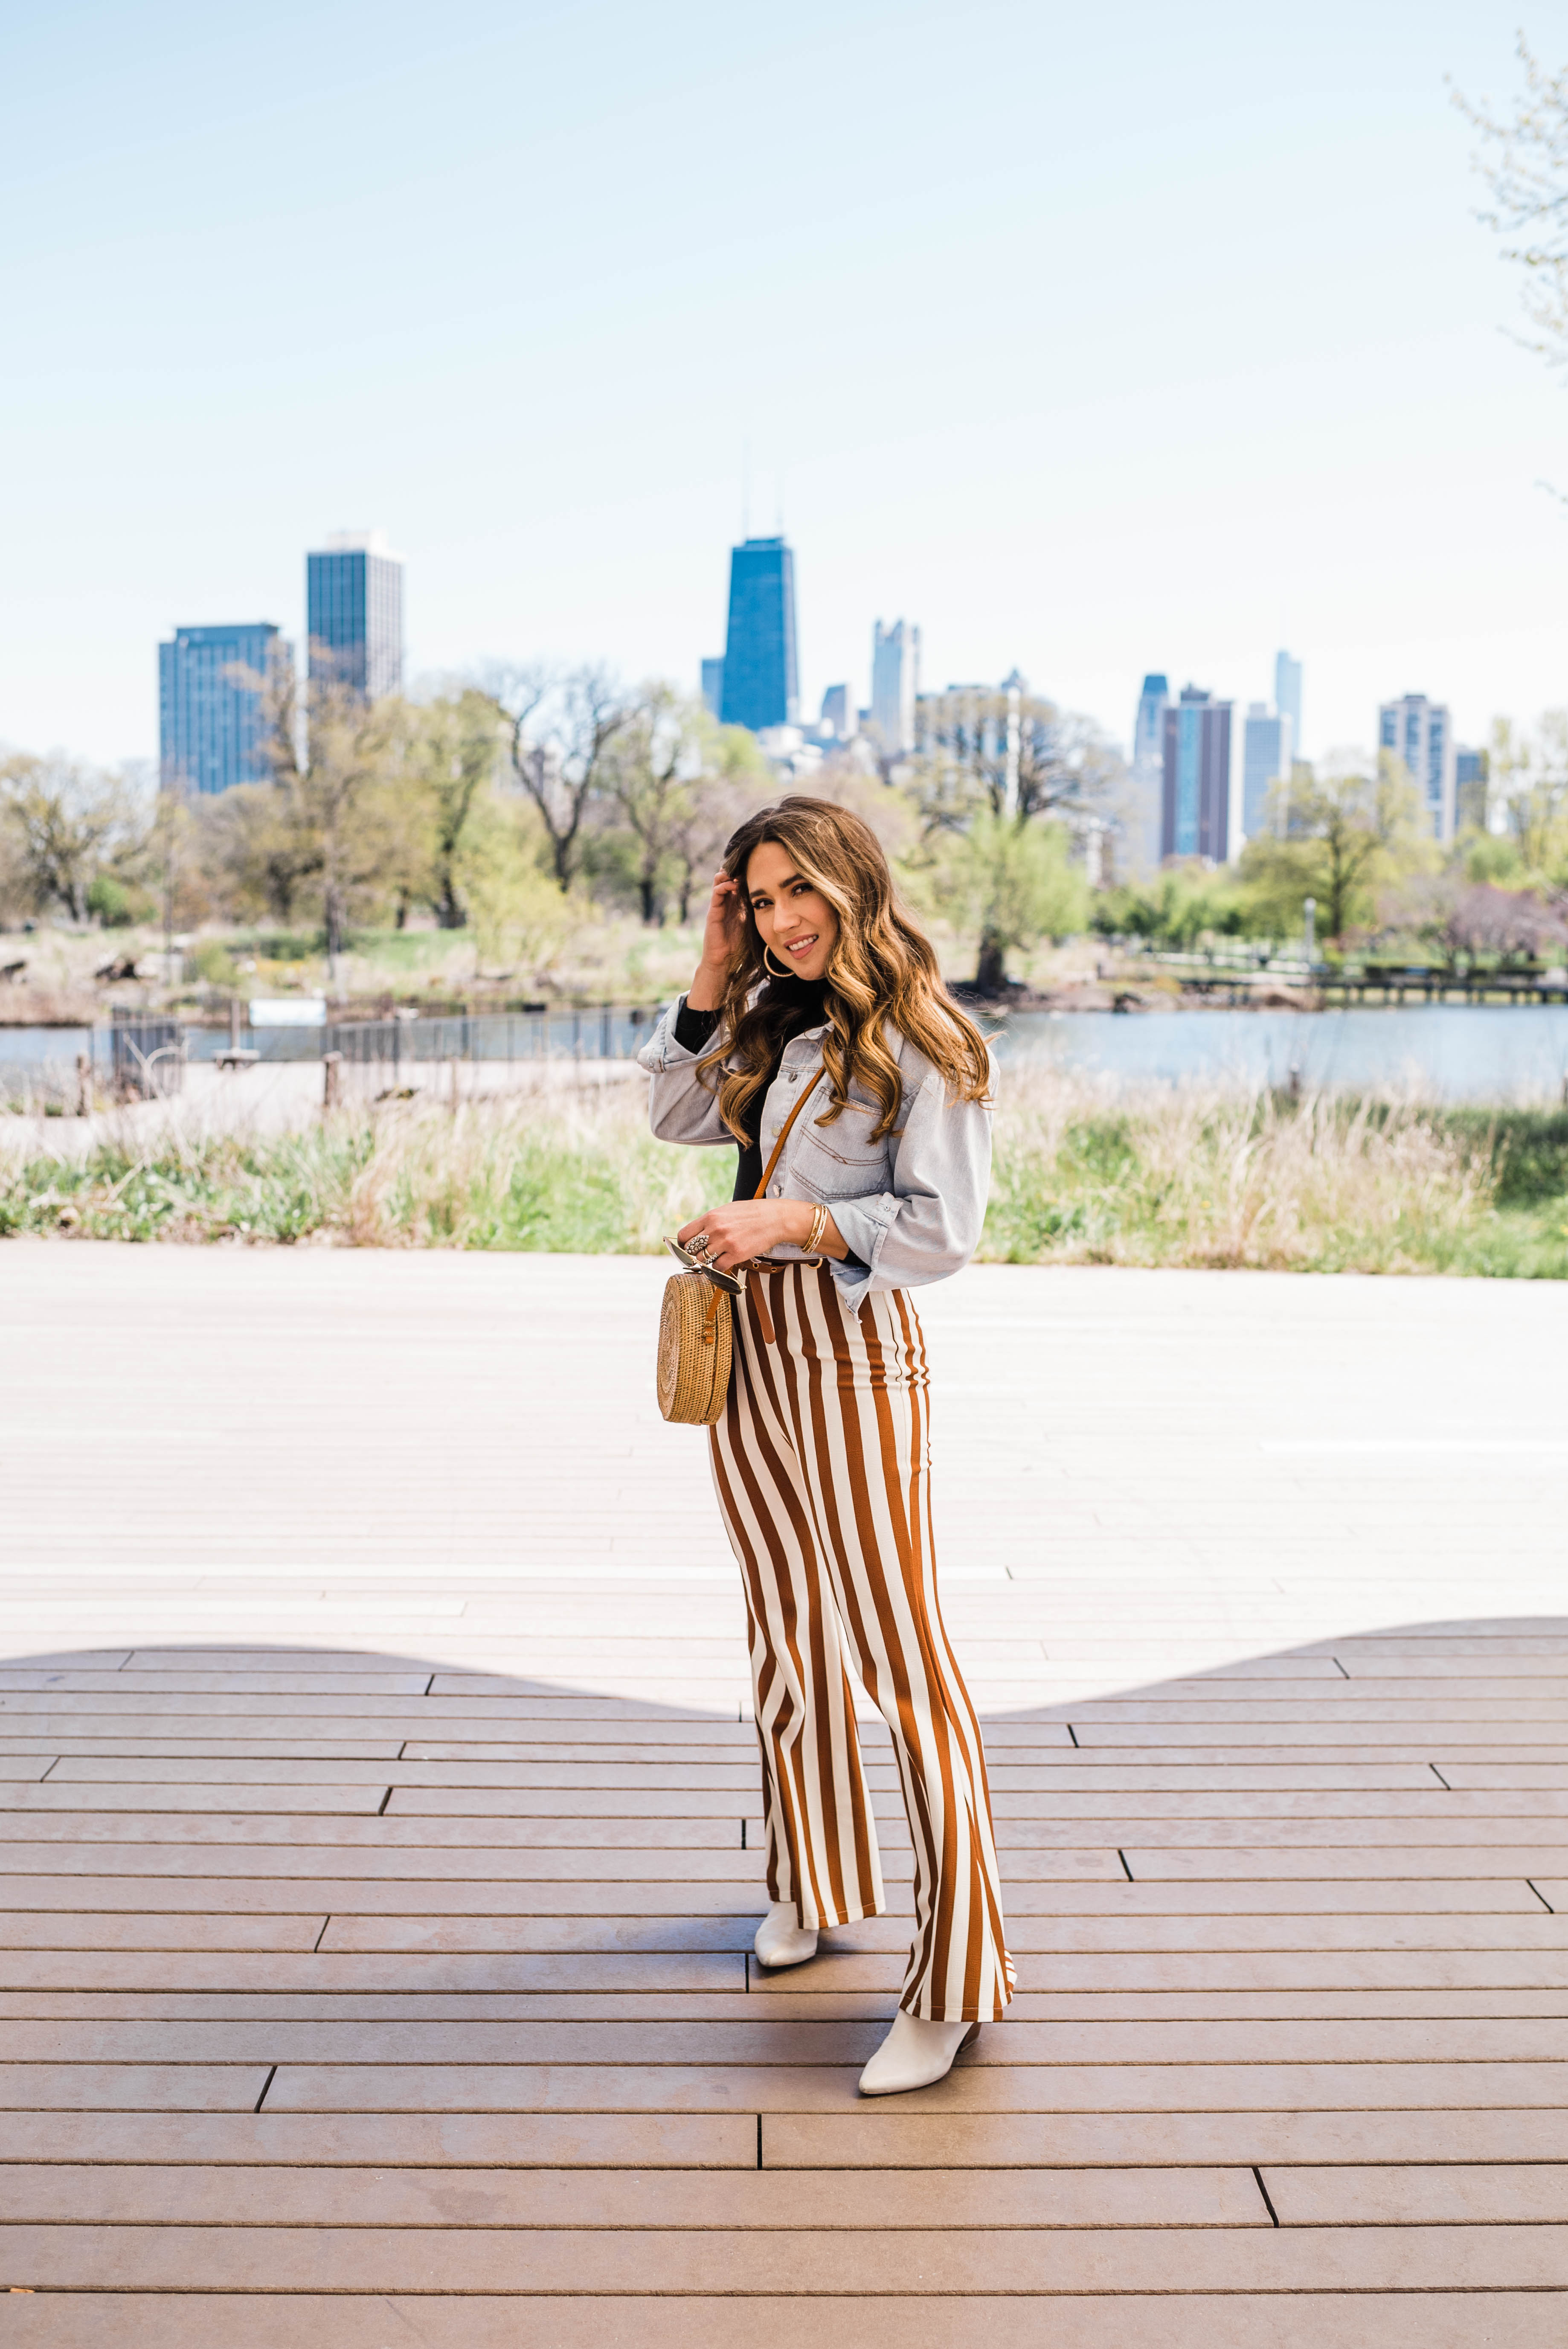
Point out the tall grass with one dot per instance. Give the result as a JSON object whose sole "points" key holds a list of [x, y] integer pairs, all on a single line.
{"points": [[1184, 1176]]}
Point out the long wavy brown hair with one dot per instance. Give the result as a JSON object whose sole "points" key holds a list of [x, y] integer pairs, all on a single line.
{"points": [[881, 971]]}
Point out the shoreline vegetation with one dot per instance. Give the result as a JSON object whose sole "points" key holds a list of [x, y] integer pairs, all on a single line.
{"points": [[1177, 1176]]}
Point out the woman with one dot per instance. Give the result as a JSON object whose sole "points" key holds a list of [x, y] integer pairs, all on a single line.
{"points": [[816, 986]]}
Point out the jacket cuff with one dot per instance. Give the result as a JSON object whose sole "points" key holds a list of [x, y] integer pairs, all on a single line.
{"points": [[863, 1226], [664, 1048]]}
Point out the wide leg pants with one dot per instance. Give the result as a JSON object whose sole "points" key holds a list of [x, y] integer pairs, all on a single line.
{"points": [[822, 1463]]}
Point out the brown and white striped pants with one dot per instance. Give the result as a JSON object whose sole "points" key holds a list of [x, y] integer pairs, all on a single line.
{"points": [[821, 1460]]}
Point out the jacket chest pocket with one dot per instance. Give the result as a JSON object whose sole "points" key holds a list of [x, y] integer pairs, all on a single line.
{"points": [[841, 1161]]}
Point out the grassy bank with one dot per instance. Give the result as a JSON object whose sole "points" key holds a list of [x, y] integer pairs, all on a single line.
{"points": [[1184, 1177]]}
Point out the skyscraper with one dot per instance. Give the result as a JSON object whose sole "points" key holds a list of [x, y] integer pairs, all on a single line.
{"points": [[895, 684], [1146, 827], [1196, 811], [713, 686], [1471, 773], [760, 682], [209, 716], [1420, 732], [1265, 761], [838, 713], [355, 604], [1287, 696]]}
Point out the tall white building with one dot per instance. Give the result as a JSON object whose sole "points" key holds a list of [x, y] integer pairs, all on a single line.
{"points": [[1421, 733], [895, 683]]}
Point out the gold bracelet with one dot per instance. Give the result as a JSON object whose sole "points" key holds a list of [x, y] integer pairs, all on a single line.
{"points": [[819, 1226]]}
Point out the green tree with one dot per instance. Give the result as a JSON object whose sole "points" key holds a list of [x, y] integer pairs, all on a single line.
{"points": [[1528, 784], [455, 747], [344, 815], [68, 824], [1014, 883], [558, 730], [1337, 838], [1178, 906], [653, 775], [1000, 758]]}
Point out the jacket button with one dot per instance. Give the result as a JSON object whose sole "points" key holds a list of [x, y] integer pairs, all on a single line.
{"points": [[789, 1076]]}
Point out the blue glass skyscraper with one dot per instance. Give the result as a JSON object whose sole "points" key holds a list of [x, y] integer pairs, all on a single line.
{"points": [[209, 715], [1197, 795], [354, 596], [1265, 761], [760, 685]]}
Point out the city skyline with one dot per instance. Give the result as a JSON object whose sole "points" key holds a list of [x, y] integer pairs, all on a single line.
{"points": [[1201, 783]]}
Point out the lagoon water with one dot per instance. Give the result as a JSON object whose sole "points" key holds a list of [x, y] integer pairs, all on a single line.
{"points": [[1439, 1052], [1447, 1051]]}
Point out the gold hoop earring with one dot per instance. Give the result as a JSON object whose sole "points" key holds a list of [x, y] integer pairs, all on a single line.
{"points": [[784, 970]]}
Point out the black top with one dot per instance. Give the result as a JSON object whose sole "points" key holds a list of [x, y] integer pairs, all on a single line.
{"points": [[800, 1003]]}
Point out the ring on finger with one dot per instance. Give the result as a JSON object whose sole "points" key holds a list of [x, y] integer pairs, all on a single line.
{"points": [[698, 1245]]}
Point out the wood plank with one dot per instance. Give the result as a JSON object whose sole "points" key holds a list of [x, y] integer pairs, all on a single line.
{"points": [[785, 2263], [580, 1974], [1459, 2045], [99, 2195], [117, 2085], [972, 2088], [283, 2320], [56, 1931], [143, 1880], [378, 2141], [1381, 1861], [79, 1681], [1505, 2192], [903, 2138], [362, 1801]]}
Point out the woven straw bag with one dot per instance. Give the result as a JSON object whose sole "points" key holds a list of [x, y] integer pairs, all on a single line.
{"points": [[697, 1326], [697, 1345]]}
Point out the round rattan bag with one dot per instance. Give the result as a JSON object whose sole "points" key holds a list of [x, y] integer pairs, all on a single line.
{"points": [[696, 1339]]}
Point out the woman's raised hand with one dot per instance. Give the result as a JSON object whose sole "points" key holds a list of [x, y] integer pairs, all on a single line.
{"points": [[723, 932]]}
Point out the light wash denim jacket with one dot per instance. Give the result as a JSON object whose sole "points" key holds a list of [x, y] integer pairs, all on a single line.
{"points": [[910, 1206]]}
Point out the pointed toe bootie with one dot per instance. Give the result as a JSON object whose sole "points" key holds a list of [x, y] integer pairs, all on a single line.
{"points": [[915, 2054], [781, 1940]]}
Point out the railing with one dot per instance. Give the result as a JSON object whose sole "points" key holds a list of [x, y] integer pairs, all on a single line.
{"points": [[604, 1032], [143, 1058], [609, 1032]]}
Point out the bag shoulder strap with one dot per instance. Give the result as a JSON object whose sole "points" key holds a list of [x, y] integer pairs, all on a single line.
{"points": [[783, 1138]]}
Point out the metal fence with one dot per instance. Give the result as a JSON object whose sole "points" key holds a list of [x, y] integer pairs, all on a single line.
{"points": [[606, 1033], [138, 1059], [145, 1059]]}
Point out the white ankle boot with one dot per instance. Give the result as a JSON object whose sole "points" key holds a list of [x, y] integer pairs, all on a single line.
{"points": [[780, 1940], [915, 2054]]}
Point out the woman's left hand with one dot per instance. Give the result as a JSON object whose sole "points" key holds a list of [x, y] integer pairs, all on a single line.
{"points": [[749, 1228]]}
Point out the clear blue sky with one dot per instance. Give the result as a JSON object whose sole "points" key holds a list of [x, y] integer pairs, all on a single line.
{"points": [[1094, 339]]}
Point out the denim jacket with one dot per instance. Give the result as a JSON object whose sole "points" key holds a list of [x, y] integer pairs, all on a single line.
{"points": [[910, 1206]]}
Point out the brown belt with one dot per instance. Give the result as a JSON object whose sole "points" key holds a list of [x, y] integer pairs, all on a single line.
{"points": [[773, 1264]]}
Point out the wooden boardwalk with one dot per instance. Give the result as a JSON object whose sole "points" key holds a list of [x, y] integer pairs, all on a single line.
{"points": [[374, 1943]]}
